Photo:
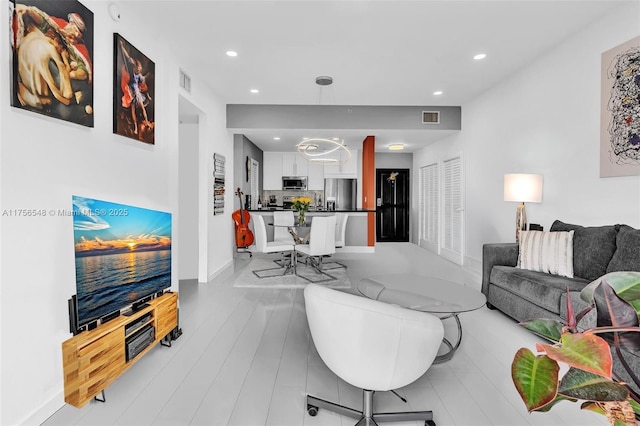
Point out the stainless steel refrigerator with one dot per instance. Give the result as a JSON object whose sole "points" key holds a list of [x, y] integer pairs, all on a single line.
{"points": [[340, 194]]}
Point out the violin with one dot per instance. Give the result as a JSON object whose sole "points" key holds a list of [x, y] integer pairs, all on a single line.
{"points": [[241, 218]]}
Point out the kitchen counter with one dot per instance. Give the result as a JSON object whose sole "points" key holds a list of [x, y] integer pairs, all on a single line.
{"points": [[268, 209]]}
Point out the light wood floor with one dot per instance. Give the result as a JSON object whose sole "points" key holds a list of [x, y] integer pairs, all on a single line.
{"points": [[246, 358]]}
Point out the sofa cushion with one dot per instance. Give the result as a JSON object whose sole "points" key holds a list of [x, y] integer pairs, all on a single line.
{"points": [[550, 252], [544, 290], [627, 255], [593, 248]]}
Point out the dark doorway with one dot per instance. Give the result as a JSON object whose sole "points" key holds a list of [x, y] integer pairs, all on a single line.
{"points": [[392, 205]]}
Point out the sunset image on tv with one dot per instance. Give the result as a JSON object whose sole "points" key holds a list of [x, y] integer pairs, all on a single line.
{"points": [[123, 254]]}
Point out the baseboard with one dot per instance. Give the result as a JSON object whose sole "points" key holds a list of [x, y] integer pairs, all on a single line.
{"points": [[220, 270], [473, 272], [356, 249], [46, 410]]}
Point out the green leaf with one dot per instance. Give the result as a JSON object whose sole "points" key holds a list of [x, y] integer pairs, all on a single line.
{"points": [[617, 312], [626, 284], [581, 384], [548, 328], [550, 405], [585, 351], [535, 378]]}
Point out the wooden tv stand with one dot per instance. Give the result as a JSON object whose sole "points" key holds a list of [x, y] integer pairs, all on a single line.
{"points": [[94, 359]]}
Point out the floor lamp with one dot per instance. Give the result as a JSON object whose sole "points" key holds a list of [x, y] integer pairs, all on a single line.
{"points": [[522, 188]]}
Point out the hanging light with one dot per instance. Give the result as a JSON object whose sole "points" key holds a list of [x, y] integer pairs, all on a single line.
{"points": [[319, 150]]}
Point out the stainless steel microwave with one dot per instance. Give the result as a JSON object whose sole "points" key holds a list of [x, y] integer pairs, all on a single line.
{"points": [[294, 182]]}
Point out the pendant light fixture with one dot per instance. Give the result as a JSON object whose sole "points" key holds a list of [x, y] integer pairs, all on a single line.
{"points": [[322, 150]]}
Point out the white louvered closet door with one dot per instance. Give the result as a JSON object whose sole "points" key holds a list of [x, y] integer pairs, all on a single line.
{"points": [[429, 207], [451, 246]]}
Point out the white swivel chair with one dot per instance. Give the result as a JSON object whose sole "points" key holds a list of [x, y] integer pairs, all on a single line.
{"points": [[282, 219], [371, 345], [322, 242], [264, 246]]}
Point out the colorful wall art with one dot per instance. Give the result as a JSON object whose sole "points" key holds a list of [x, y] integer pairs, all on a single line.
{"points": [[133, 92], [52, 59], [620, 111]]}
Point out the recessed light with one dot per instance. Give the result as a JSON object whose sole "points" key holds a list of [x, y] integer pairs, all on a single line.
{"points": [[480, 56], [232, 53], [438, 92], [254, 91], [396, 147], [276, 138]]}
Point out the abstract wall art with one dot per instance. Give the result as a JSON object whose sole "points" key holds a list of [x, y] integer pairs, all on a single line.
{"points": [[620, 111]]}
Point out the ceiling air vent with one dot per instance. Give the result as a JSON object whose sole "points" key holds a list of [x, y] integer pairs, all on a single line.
{"points": [[430, 117], [185, 81]]}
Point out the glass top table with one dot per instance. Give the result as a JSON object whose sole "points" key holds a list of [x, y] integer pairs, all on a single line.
{"points": [[445, 299]]}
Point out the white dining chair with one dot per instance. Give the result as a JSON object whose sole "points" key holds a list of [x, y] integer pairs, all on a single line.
{"points": [[261, 245], [341, 228], [281, 219], [322, 242]]}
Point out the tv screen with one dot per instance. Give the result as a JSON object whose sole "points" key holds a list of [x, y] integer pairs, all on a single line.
{"points": [[122, 254]]}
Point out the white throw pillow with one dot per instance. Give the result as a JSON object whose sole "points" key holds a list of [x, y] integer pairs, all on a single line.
{"points": [[550, 252]]}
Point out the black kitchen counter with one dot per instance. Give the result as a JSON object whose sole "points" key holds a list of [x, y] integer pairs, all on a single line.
{"points": [[268, 209]]}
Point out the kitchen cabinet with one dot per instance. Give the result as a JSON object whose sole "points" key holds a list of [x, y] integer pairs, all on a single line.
{"points": [[347, 170], [315, 182], [272, 171], [294, 165]]}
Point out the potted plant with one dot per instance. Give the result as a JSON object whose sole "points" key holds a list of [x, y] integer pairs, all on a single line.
{"points": [[587, 353], [301, 205]]}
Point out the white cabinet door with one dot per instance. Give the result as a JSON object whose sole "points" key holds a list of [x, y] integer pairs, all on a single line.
{"points": [[347, 170], [272, 171], [316, 177], [294, 165]]}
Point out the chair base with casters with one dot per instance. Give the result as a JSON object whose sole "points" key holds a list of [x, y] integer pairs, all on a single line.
{"points": [[367, 417]]}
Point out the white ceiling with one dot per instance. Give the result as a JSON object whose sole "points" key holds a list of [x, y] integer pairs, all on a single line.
{"points": [[378, 52]]}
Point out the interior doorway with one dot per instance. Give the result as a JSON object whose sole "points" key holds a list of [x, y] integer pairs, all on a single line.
{"points": [[189, 259], [392, 205]]}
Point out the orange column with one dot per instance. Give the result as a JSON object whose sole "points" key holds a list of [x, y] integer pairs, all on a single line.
{"points": [[369, 186]]}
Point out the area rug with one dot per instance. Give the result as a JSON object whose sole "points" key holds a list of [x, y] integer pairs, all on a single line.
{"points": [[334, 277]]}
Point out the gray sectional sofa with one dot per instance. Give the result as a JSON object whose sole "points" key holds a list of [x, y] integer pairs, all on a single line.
{"points": [[524, 294]]}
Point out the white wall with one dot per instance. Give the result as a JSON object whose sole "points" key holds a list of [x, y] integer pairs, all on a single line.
{"points": [[544, 119], [43, 163]]}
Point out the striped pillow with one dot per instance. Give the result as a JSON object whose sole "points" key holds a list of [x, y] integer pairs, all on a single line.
{"points": [[550, 252]]}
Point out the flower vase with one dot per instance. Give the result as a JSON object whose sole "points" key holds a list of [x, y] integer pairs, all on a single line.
{"points": [[301, 218]]}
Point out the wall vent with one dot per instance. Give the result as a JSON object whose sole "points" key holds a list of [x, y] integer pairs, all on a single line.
{"points": [[185, 81], [430, 117]]}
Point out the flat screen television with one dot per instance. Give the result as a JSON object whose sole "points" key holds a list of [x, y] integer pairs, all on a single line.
{"points": [[122, 256]]}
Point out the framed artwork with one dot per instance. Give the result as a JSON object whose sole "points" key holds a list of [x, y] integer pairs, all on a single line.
{"points": [[218, 183], [52, 59], [620, 111], [133, 92]]}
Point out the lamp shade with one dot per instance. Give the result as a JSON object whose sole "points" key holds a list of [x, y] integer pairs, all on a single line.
{"points": [[523, 188]]}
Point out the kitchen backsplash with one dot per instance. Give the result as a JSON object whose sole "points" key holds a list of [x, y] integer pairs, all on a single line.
{"points": [[317, 197]]}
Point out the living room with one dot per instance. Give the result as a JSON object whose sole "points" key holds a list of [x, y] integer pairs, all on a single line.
{"points": [[543, 118]]}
